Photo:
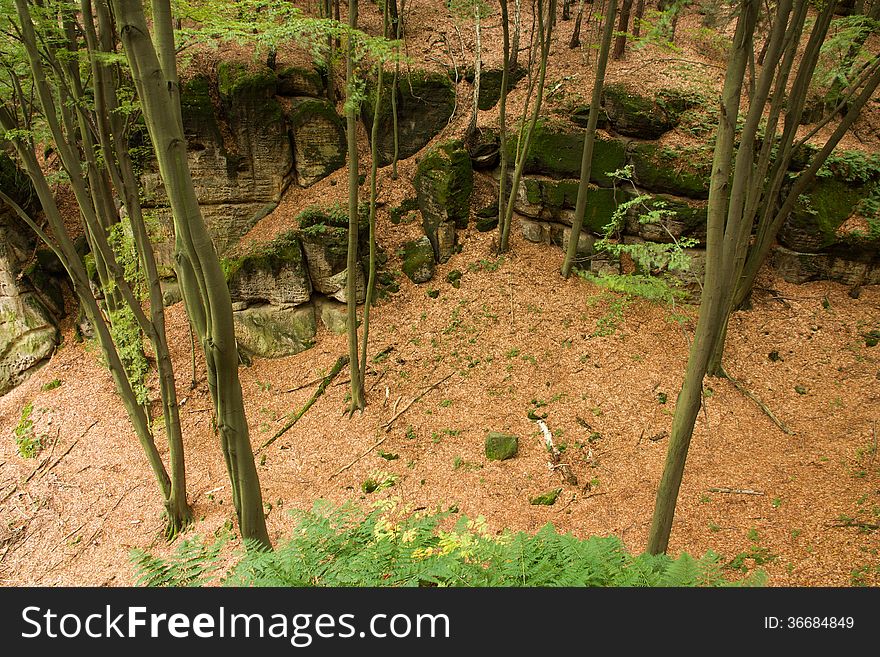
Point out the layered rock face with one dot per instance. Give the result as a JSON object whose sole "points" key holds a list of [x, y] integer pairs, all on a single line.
{"points": [[833, 233], [28, 331], [444, 183], [249, 136], [281, 289], [425, 102]]}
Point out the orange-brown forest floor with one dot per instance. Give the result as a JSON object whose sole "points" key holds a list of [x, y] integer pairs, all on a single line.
{"points": [[512, 336], [515, 337]]}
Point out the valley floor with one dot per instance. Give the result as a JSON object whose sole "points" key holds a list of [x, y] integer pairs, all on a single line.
{"points": [[515, 338]]}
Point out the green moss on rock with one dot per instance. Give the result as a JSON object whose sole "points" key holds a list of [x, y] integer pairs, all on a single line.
{"points": [[418, 260], [547, 498], [318, 139], [501, 446], [635, 115], [818, 215], [425, 102], [556, 151], [274, 272], [683, 172], [239, 79], [444, 183]]}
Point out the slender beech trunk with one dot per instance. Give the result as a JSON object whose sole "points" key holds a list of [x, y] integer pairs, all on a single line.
{"points": [[575, 41], [472, 125], [394, 82], [620, 41], [544, 41], [637, 18], [712, 302], [64, 248], [502, 112], [203, 285], [357, 385], [589, 141], [112, 135], [96, 205], [374, 171], [517, 30], [331, 56]]}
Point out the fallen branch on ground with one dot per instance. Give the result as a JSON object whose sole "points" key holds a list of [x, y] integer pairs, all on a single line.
{"points": [[739, 386], [387, 425], [341, 362], [736, 491], [346, 467], [564, 469]]}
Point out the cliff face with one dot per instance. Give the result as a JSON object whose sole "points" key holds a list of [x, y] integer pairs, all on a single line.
{"points": [[28, 333]]}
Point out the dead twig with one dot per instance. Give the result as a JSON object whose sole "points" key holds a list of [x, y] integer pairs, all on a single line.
{"points": [[346, 467], [68, 450], [107, 514], [387, 425], [745, 391], [736, 491], [564, 469], [341, 362], [860, 525]]}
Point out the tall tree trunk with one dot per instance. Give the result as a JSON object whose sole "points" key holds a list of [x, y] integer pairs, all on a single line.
{"points": [[357, 389], [712, 301], [517, 30], [575, 41], [202, 281], [478, 66], [620, 42], [502, 112], [394, 81], [111, 129], [544, 41], [637, 18], [590, 140]]}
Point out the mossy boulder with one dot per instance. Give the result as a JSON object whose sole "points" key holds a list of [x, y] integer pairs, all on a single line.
{"points": [[16, 185], [555, 150], [239, 154], [682, 172], [324, 237], [28, 331], [490, 84], [501, 446], [300, 81], [333, 314], [274, 272], [820, 217], [444, 183], [635, 115], [318, 133], [270, 331], [425, 102], [840, 265], [547, 498], [238, 81], [418, 260], [555, 200]]}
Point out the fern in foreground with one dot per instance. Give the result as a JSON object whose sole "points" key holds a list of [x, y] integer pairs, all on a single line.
{"points": [[347, 546]]}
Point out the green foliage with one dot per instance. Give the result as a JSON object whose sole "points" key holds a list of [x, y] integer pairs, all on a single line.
{"points": [[128, 339], [347, 546], [851, 166], [29, 444], [192, 564], [658, 265], [51, 385], [843, 54], [121, 239]]}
